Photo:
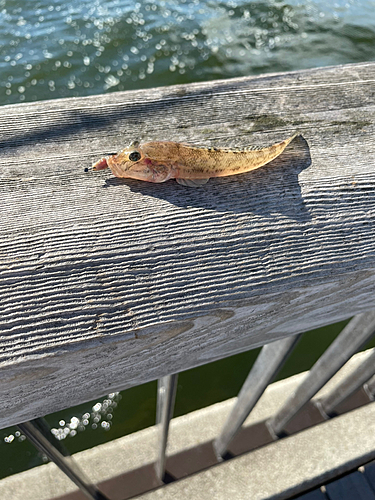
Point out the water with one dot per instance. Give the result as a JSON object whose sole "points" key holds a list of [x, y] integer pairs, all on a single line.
{"points": [[54, 49], [51, 49]]}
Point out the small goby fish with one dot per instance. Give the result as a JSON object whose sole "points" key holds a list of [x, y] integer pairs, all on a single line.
{"points": [[160, 161]]}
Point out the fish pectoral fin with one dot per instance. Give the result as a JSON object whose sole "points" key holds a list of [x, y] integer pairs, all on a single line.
{"points": [[192, 182]]}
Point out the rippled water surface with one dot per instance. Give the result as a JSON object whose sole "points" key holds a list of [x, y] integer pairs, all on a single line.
{"points": [[52, 49]]}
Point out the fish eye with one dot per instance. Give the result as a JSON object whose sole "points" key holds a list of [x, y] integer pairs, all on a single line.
{"points": [[134, 156]]}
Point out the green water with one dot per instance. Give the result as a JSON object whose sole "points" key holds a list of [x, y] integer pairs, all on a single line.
{"points": [[51, 49], [54, 49]]}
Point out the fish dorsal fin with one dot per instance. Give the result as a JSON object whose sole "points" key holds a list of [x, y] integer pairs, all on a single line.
{"points": [[247, 148], [238, 149], [225, 150], [192, 182]]}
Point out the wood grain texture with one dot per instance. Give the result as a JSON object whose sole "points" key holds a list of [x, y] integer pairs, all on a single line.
{"points": [[107, 283]]}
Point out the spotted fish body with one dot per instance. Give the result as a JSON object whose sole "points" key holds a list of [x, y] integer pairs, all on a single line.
{"points": [[160, 161]]}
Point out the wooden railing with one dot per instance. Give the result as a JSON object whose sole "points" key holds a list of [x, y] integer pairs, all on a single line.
{"points": [[108, 283]]}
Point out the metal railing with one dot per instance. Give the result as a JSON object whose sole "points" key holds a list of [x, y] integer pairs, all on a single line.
{"points": [[270, 360]]}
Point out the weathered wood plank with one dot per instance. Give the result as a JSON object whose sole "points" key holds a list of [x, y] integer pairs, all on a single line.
{"points": [[108, 283]]}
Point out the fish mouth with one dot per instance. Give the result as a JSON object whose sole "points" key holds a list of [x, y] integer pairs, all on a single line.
{"points": [[103, 162], [100, 165]]}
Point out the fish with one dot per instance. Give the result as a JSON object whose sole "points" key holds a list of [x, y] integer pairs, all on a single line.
{"points": [[192, 166]]}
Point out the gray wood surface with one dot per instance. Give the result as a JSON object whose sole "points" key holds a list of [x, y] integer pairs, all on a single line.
{"points": [[108, 283]]}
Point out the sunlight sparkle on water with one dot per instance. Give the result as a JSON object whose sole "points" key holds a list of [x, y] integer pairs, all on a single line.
{"points": [[94, 47]]}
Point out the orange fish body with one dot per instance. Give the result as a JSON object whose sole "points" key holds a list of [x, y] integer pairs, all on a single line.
{"points": [[160, 161]]}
